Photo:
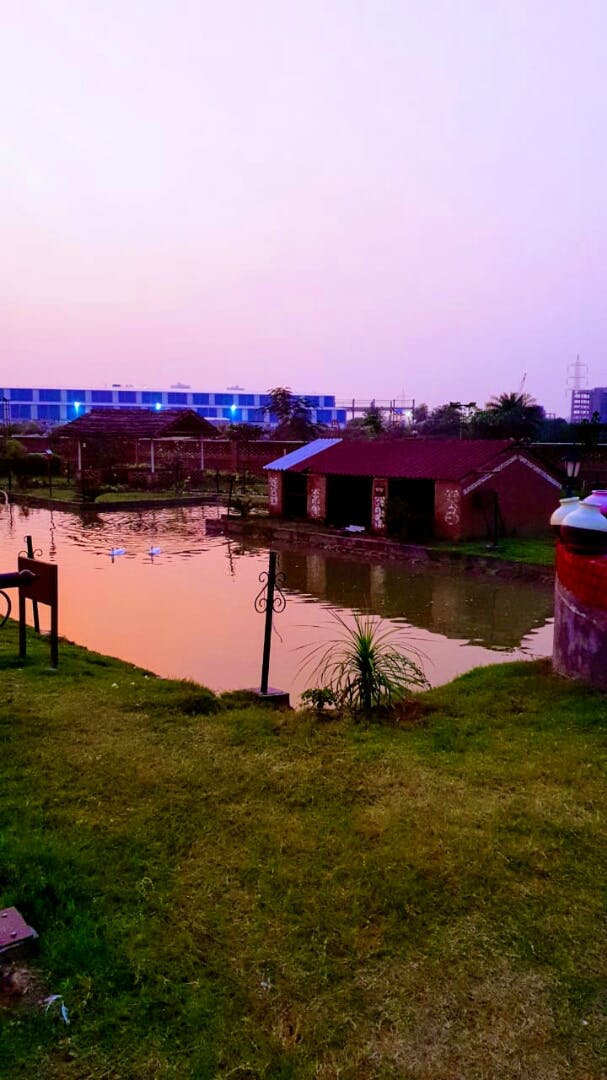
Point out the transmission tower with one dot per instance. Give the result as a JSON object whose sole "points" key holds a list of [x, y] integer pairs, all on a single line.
{"points": [[577, 382], [577, 375]]}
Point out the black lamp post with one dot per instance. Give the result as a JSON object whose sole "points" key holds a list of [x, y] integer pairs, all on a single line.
{"points": [[49, 458], [572, 469]]}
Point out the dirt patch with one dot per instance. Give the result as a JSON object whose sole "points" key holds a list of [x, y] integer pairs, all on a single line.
{"points": [[21, 987]]}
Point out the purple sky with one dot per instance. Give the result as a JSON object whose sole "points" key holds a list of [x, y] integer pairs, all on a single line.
{"points": [[354, 197]]}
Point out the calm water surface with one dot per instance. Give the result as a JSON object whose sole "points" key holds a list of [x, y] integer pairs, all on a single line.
{"points": [[188, 611]]}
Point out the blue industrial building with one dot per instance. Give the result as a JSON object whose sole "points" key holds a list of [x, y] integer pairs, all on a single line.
{"points": [[52, 405]]}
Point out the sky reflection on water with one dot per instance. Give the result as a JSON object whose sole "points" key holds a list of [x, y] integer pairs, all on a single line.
{"points": [[188, 611]]}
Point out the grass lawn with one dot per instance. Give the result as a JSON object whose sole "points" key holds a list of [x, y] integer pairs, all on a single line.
{"points": [[536, 551], [253, 894]]}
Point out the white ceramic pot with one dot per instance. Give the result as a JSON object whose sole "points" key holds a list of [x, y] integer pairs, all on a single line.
{"points": [[598, 498], [585, 530], [566, 506]]}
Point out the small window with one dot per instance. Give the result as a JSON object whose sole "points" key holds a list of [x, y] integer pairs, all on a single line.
{"points": [[101, 397], [177, 399], [127, 397], [21, 395], [75, 395], [200, 399], [49, 395]]}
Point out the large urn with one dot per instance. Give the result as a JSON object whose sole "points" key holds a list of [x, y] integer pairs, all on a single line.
{"points": [[598, 498], [565, 507], [584, 530]]}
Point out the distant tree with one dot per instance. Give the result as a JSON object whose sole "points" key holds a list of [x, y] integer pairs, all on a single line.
{"points": [[292, 413], [449, 420], [244, 433], [283, 402], [25, 427], [373, 420], [516, 416], [556, 429], [590, 432]]}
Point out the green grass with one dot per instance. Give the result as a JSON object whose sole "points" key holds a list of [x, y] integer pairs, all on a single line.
{"points": [[535, 551], [242, 893], [139, 496]]}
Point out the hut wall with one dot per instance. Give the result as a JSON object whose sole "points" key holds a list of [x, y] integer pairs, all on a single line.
{"points": [[526, 495]]}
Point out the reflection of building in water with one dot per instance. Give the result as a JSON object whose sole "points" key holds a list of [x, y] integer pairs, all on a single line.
{"points": [[377, 573], [495, 614], [316, 574]]}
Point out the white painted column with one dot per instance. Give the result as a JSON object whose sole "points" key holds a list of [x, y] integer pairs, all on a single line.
{"points": [[152, 460]]}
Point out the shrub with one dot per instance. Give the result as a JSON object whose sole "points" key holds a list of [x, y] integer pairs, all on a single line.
{"points": [[366, 667], [318, 697]]}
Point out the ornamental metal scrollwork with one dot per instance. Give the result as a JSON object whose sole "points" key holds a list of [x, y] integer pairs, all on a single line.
{"points": [[261, 600], [9, 607], [31, 552]]}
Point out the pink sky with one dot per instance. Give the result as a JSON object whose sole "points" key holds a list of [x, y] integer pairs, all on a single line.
{"points": [[353, 197]]}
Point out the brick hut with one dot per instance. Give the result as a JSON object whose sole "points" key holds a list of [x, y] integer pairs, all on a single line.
{"points": [[416, 488]]}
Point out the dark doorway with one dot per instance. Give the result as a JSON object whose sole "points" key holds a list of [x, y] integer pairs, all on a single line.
{"points": [[410, 510], [349, 500], [294, 495]]}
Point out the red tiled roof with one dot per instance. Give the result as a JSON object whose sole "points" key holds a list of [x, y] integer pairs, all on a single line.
{"points": [[138, 424], [415, 459]]}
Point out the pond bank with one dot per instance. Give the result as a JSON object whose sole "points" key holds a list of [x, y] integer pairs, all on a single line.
{"points": [[302, 534], [43, 502]]}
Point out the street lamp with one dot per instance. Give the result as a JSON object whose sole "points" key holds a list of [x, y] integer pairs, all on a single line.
{"points": [[49, 458], [572, 469]]}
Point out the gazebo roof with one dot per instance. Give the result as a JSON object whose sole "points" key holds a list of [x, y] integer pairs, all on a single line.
{"points": [[137, 424]]}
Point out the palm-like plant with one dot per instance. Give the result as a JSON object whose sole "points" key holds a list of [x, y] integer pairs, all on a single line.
{"points": [[365, 667], [516, 415]]}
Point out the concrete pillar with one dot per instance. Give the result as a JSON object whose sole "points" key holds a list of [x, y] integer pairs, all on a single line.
{"points": [[379, 501], [317, 497], [275, 492], [448, 523]]}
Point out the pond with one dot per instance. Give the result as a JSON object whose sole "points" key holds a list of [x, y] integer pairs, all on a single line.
{"points": [[187, 610]]}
